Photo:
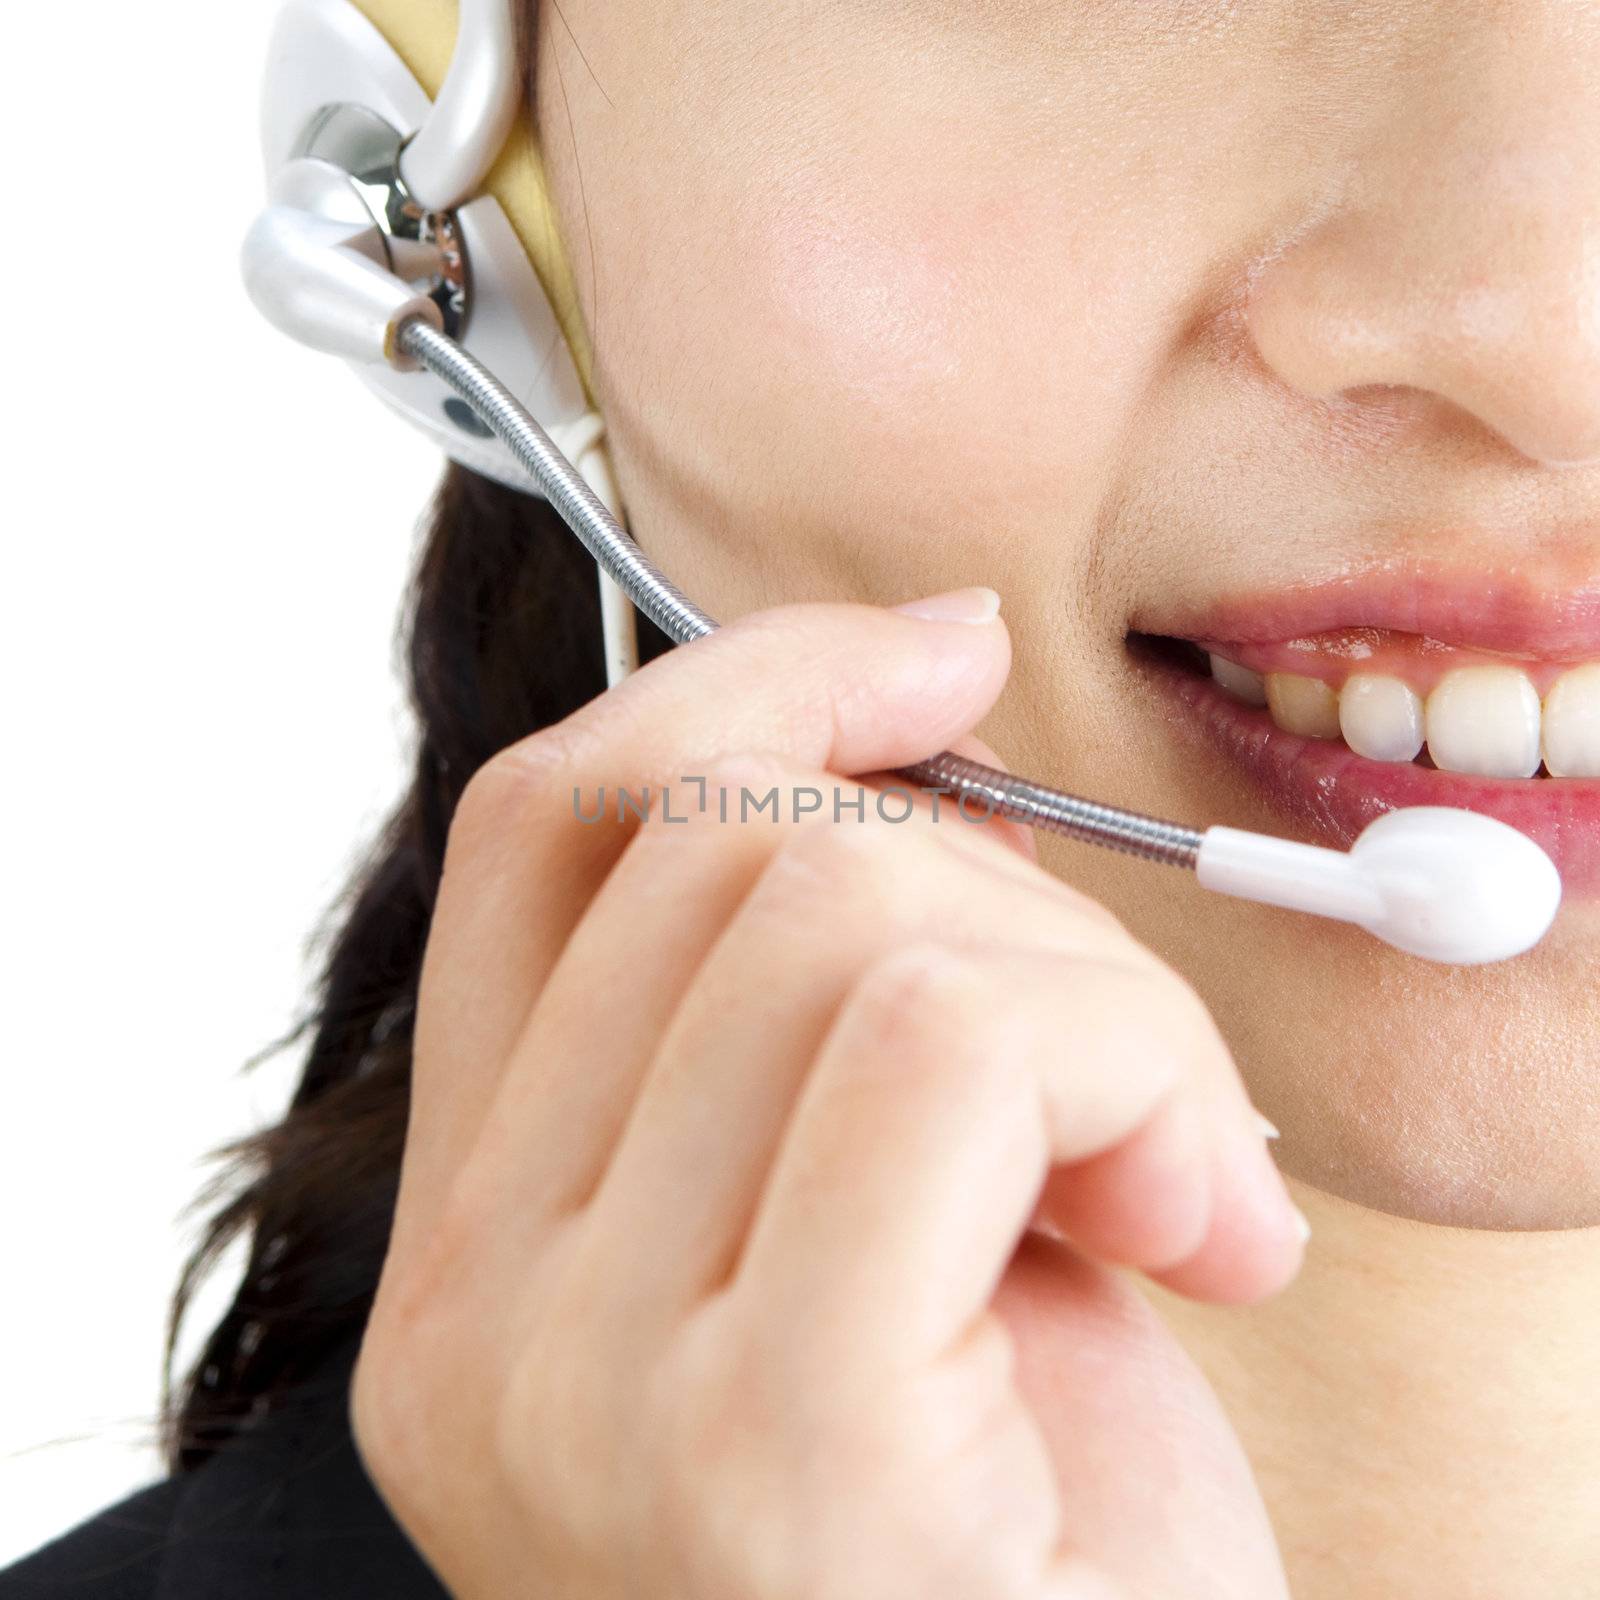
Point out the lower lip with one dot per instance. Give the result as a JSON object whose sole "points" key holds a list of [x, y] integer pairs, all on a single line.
{"points": [[1322, 786]]}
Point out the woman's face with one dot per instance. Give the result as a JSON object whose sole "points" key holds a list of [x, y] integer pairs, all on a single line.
{"points": [[1272, 325]]}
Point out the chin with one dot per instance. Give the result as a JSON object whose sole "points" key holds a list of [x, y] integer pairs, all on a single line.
{"points": [[1467, 1097]]}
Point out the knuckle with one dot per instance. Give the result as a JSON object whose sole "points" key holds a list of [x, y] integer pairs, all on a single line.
{"points": [[391, 1402], [725, 792], [849, 870], [511, 785], [710, 1422], [584, 1452], [417, 1350], [566, 1428], [747, 777], [550, 1398], [371, 1423], [811, 866], [921, 995], [768, 1485], [395, 1430], [724, 1393], [748, 1472]]}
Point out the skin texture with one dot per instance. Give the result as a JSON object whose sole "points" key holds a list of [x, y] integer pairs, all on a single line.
{"points": [[1125, 309]]}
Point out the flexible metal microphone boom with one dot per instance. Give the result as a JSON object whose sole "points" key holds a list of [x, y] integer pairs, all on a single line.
{"points": [[1443, 883]]}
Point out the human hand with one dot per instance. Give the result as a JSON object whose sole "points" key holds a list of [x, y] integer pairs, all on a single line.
{"points": [[717, 1271]]}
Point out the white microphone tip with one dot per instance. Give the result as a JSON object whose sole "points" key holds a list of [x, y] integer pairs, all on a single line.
{"points": [[1456, 886]]}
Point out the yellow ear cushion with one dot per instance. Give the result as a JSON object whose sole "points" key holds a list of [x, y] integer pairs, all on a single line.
{"points": [[423, 36]]}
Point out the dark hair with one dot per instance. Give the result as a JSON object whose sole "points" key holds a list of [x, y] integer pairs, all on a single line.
{"points": [[501, 636]]}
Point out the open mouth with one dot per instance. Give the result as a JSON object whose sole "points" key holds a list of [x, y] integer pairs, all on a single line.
{"points": [[1337, 726]]}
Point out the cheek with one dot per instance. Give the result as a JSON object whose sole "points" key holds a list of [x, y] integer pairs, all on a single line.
{"points": [[961, 329], [877, 312], [887, 337], [906, 376]]}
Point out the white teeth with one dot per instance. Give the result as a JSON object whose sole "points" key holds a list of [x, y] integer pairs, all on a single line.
{"points": [[1381, 717], [1572, 724], [1482, 720], [1240, 682], [1485, 720], [1306, 706]]}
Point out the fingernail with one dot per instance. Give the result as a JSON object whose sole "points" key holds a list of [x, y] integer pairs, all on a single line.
{"points": [[977, 604], [1267, 1129], [1301, 1225]]}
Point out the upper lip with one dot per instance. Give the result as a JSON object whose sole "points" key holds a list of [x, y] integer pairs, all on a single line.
{"points": [[1530, 610]]}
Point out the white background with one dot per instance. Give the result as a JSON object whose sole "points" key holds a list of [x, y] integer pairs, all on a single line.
{"points": [[207, 531]]}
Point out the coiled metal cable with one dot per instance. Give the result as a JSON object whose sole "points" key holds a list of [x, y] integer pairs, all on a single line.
{"points": [[681, 620]]}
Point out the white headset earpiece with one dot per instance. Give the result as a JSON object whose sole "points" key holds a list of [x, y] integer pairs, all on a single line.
{"points": [[473, 115], [344, 252]]}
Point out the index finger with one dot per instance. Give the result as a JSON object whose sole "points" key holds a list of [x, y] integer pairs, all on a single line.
{"points": [[844, 688]]}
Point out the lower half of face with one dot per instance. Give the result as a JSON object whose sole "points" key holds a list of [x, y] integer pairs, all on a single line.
{"points": [[1250, 352]]}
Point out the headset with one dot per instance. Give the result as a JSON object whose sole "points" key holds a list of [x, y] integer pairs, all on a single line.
{"points": [[381, 243]]}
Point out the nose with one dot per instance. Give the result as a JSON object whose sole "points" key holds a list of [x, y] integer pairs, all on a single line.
{"points": [[1461, 259]]}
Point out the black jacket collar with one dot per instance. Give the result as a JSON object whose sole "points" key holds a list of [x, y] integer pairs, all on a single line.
{"points": [[286, 1510]]}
